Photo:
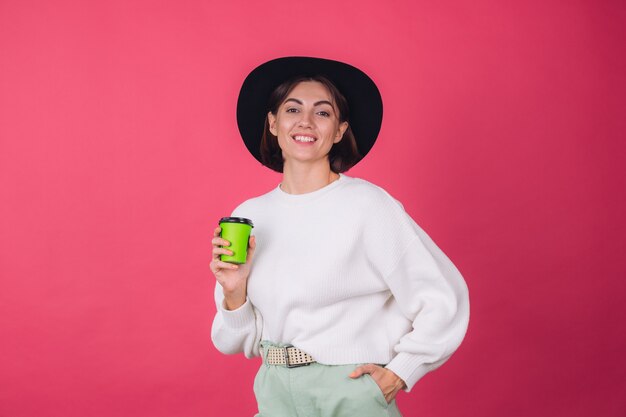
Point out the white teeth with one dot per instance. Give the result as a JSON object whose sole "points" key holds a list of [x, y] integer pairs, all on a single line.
{"points": [[304, 139]]}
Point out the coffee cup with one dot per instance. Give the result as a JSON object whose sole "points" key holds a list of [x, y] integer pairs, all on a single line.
{"points": [[237, 231]]}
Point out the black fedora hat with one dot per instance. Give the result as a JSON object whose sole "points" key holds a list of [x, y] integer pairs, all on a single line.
{"points": [[364, 100]]}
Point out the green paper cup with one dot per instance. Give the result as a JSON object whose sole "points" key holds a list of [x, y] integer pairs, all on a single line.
{"points": [[237, 231]]}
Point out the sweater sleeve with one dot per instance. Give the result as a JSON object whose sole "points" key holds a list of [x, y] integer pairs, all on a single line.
{"points": [[237, 330], [430, 292]]}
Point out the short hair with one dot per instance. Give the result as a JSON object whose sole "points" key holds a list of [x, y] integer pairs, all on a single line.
{"points": [[342, 156]]}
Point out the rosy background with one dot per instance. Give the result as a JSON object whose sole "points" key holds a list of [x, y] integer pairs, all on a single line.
{"points": [[503, 137]]}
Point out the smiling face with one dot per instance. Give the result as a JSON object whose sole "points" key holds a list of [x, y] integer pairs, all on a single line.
{"points": [[307, 124]]}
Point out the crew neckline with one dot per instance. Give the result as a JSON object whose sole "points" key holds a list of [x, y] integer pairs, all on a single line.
{"points": [[313, 194]]}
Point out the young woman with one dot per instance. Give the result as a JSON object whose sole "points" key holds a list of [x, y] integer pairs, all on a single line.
{"points": [[346, 298]]}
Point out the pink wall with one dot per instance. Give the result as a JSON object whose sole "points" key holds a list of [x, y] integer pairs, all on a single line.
{"points": [[503, 137]]}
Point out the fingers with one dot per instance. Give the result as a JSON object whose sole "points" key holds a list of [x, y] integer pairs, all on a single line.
{"points": [[251, 248], [217, 266], [217, 251], [218, 241], [363, 369]]}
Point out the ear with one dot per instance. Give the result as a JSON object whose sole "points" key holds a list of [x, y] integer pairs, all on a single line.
{"points": [[342, 129], [272, 123]]}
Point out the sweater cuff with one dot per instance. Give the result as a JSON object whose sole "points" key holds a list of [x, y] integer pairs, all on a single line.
{"points": [[411, 368], [241, 317]]}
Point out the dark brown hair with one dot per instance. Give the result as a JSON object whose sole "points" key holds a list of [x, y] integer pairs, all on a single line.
{"points": [[342, 156]]}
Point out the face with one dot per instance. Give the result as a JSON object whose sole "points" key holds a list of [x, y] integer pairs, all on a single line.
{"points": [[307, 124]]}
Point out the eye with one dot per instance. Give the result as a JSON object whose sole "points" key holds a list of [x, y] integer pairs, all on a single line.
{"points": [[323, 113], [291, 110]]}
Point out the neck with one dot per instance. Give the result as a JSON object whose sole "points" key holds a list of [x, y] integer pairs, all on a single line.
{"points": [[301, 179]]}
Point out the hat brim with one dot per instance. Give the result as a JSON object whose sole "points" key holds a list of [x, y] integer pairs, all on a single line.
{"points": [[364, 100]]}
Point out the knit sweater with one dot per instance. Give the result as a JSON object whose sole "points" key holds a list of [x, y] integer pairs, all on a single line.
{"points": [[346, 275]]}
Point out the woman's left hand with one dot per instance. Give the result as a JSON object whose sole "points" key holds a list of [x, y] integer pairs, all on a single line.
{"points": [[388, 382]]}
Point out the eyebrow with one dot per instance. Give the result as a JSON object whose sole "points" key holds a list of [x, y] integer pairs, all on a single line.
{"points": [[317, 103]]}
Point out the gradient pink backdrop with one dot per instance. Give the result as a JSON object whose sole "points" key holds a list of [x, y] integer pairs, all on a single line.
{"points": [[503, 136]]}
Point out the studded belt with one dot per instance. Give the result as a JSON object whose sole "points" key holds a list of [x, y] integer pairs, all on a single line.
{"points": [[287, 356]]}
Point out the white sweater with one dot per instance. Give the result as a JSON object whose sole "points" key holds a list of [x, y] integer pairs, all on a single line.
{"points": [[346, 275]]}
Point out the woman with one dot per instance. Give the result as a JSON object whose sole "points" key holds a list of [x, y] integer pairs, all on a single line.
{"points": [[344, 296]]}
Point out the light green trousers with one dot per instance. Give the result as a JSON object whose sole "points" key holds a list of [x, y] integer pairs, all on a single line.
{"points": [[318, 391]]}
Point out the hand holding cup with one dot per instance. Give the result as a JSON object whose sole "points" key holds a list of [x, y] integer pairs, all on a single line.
{"points": [[231, 259]]}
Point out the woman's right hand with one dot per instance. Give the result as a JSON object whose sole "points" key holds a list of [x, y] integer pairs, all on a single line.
{"points": [[232, 277]]}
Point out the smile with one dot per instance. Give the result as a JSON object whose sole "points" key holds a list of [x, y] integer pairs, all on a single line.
{"points": [[302, 138]]}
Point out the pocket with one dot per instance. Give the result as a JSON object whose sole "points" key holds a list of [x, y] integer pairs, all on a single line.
{"points": [[380, 397]]}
